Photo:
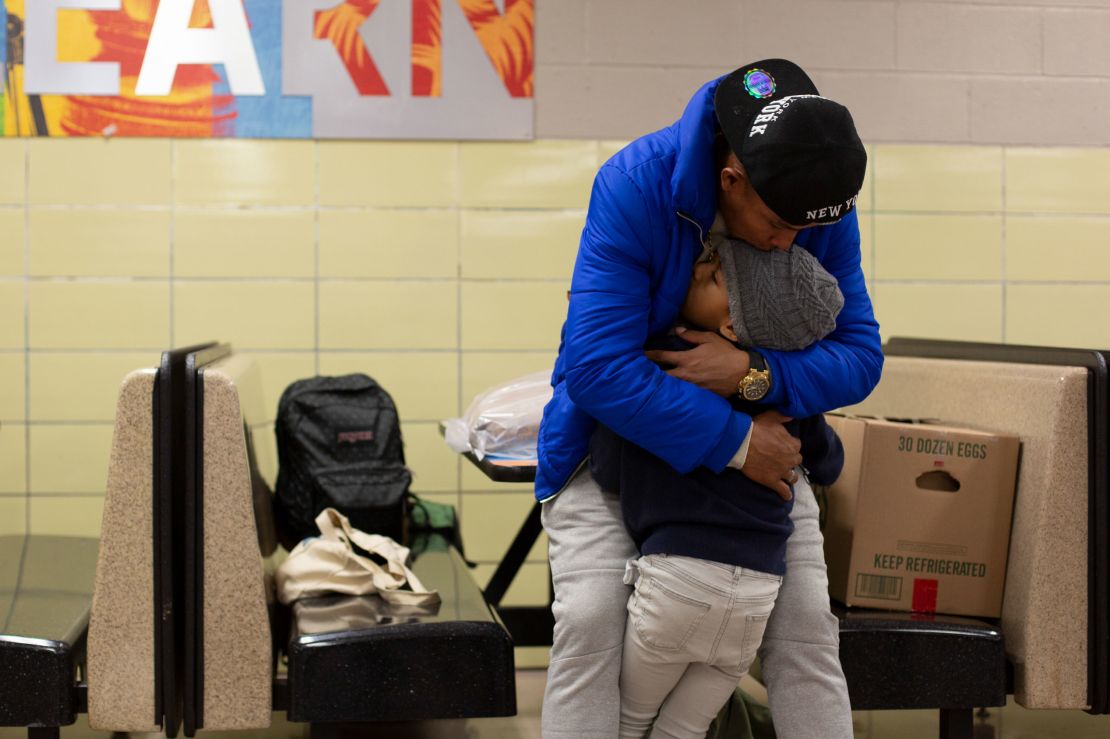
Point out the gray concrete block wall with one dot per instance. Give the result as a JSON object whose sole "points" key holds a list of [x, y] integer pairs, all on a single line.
{"points": [[951, 71]]}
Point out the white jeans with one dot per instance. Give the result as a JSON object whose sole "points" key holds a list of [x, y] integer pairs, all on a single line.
{"points": [[692, 632], [588, 550]]}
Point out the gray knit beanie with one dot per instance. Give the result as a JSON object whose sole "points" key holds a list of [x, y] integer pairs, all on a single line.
{"points": [[778, 299]]}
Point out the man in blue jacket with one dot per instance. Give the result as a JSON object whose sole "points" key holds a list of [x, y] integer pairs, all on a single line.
{"points": [[759, 155]]}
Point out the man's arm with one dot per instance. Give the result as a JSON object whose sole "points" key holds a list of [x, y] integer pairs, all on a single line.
{"points": [[839, 370], [845, 366], [606, 372]]}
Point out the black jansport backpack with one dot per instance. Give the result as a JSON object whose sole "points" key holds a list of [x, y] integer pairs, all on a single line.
{"points": [[339, 445]]}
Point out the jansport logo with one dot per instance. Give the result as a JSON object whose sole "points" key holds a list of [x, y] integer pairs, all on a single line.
{"points": [[354, 437]]}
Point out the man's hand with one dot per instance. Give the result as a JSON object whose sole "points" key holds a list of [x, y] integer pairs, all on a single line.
{"points": [[714, 364], [773, 454]]}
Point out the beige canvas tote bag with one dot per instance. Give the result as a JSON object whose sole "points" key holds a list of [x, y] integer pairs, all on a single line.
{"points": [[329, 564]]}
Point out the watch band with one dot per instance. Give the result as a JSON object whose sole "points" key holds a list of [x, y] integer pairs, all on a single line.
{"points": [[755, 385], [756, 360]]}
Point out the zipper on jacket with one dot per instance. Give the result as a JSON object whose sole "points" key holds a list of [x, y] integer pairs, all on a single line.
{"points": [[705, 243]]}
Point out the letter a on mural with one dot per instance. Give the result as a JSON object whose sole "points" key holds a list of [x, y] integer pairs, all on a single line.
{"points": [[452, 69]]}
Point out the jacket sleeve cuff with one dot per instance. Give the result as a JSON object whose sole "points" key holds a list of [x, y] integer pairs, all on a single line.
{"points": [[777, 395], [739, 424]]}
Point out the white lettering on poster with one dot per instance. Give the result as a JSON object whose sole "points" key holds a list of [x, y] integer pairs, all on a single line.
{"points": [[43, 73], [173, 42]]}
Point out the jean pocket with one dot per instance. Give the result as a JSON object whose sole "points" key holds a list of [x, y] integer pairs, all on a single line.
{"points": [[665, 619], [755, 600], [755, 626]]}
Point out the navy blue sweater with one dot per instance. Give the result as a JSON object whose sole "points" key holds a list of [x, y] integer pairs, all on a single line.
{"points": [[723, 517]]}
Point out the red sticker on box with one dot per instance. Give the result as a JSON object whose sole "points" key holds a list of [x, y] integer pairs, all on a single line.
{"points": [[925, 596]]}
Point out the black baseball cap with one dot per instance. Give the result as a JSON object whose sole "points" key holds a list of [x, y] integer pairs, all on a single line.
{"points": [[801, 151]]}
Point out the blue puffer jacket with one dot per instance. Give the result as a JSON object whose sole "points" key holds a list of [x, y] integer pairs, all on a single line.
{"points": [[651, 206]]}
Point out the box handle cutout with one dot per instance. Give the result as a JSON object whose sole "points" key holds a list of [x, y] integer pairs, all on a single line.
{"points": [[938, 480]]}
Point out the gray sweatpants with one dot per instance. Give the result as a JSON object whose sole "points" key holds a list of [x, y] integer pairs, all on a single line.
{"points": [[588, 550]]}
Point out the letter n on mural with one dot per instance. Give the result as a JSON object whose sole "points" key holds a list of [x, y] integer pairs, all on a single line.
{"points": [[455, 69]]}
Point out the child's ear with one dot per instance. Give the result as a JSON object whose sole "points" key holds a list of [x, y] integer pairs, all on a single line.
{"points": [[727, 332]]}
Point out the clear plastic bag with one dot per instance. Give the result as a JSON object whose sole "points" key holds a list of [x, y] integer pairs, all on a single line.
{"points": [[503, 422]]}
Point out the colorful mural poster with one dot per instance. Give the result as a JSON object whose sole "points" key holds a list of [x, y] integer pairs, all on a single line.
{"points": [[356, 69]]}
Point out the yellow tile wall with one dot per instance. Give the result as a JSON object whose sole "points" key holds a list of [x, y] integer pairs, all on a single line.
{"points": [[939, 311], [411, 314], [383, 173], [69, 458], [1057, 180], [12, 246], [441, 269], [541, 174], [125, 172], [1058, 315], [276, 370], [13, 516], [98, 315], [938, 247], [55, 396], [435, 468], [1057, 248], [13, 458], [512, 315], [936, 178], [12, 315], [238, 243], [389, 243], [424, 385], [65, 515], [251, 315], [84, 242], [520, 244], [241, 172], [13, 175], [483, 370], [13, 390]]}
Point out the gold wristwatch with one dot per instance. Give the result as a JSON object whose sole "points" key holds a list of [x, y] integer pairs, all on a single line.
{"points": [[755, 385]]}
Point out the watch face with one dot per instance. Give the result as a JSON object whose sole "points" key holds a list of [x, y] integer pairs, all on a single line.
{"points": [[756, 388]]}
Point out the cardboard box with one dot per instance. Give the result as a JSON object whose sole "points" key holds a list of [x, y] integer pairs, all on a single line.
{"points": [[920, 517]]}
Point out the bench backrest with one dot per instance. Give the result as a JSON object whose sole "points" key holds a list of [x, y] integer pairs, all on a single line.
{"points": [[237, 666], [1045, 606], [121, 643], [179, 625]]}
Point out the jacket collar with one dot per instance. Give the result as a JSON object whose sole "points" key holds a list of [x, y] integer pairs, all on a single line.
{"points": [[694, 183]]}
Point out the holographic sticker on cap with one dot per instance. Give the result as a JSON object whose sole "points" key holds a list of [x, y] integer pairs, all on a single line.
{"points": [[759, 84]]}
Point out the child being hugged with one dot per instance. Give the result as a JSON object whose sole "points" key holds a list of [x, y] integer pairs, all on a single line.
{"points": [[712, 545]]}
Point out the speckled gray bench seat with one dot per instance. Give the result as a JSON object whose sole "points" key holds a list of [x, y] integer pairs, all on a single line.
{"points": [[904, 661], [46, 585], [357, 661], [454, 660]]}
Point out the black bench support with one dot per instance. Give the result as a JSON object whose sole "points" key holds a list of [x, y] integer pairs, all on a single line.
{"points": [[956, 723], [511, 563]]}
